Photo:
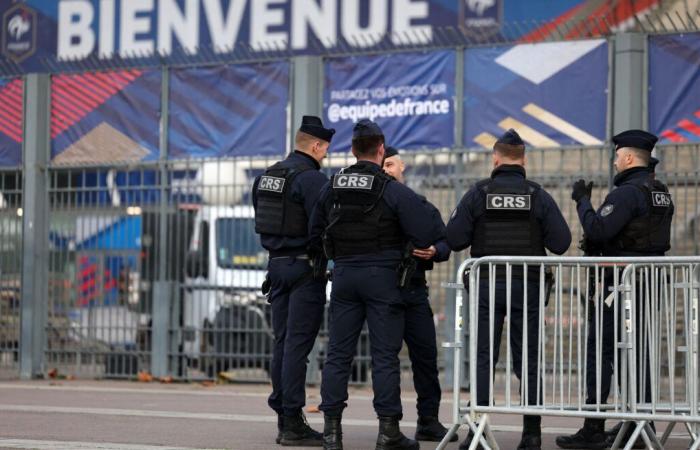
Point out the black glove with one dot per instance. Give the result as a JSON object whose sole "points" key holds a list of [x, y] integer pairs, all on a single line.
{"points": [[581, 189]]}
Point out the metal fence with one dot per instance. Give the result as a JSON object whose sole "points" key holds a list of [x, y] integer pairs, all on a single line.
{"points": [[156, 267], [10, 261], [634, 320]]}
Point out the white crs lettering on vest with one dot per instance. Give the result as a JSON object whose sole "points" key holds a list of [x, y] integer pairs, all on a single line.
{"points": [[272, 184], [508, 201], [353, 181], [662, 199]]}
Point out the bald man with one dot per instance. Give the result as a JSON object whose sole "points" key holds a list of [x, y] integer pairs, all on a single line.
{"points": [[419, 329]]}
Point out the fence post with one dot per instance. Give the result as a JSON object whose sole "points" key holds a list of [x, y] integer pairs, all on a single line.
{"points": [[451, 296], [307, 99], [307, 89], [163, 291], [35, 226], [629, 87]]}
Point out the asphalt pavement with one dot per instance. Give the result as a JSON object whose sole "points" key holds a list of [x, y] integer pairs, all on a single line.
{"points": [[101, 415]]}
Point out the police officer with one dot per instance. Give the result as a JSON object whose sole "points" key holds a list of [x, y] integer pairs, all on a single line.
{"points": [[507, 214], [634, 220], [364, 219], [419, 331], [284, 198]]}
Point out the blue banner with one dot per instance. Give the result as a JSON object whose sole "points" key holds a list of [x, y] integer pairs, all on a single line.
{"points": [[34, 32], [236, 110], [105, 117], [11, 114], [553, 94], [674, 87], [409, 95]]}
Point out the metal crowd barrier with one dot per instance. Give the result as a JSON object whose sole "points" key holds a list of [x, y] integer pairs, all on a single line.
{"points": [[651, 307]]}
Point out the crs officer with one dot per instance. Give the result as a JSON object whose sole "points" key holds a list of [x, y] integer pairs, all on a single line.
{"points": [[364, 219], [419, 331], [283, 198], [634, 220], [507, 214]]}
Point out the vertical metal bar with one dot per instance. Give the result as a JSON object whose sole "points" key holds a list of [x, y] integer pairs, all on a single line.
{"points": [[610, 106], [628, 82], [459, 98], [162, 288], [509, 309], [458, 102], [33, 315], [473, 330]]}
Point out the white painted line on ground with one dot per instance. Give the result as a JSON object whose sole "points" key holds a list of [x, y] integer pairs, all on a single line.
{"points": [[155, 391], [256, 418], [76, 445]]}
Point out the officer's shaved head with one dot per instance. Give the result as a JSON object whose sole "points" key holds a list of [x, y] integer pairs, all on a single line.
{"points": [[311, 145], [629, 157], [643, 156], [510, 151], [303, 141], [367, 146]]}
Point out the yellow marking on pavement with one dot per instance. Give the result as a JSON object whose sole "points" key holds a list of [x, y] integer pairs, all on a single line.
{"points": [[560, 125]]}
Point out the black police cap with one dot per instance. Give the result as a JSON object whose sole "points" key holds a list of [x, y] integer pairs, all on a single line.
{"points": [[390, 151], [635, 138], [314, 126], [510, 137], [366, 128]]}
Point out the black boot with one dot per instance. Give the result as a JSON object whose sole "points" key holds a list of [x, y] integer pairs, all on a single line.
{"points": [[280, 422], [332, 433], [530, 441], [591, 436], [468, 441], [296, 432], [532, 433], [390, 436], [429, 428]]}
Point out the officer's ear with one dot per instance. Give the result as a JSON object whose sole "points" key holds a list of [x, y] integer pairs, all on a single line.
{"points": [[495, 157]]}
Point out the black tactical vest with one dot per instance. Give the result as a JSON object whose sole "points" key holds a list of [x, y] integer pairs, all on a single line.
{"points": [[360, 222], [508, 225], [277, 212], [650, 233]]}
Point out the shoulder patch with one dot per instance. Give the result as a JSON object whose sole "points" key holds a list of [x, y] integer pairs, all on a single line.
{"points": [[272, 184], [353, 181], [661, 199], [607, 210], [508, 201]]}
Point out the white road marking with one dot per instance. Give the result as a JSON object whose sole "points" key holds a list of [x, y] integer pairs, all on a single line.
{"points": [[77, 445], [255, 418], [209, 392]]}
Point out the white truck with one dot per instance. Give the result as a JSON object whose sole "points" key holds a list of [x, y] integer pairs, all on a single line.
{"points": [[226, 319]]}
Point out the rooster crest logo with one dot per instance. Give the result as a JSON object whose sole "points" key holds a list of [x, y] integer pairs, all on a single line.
{"points": [[479, 6], [18, 26], [19, 32]]}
